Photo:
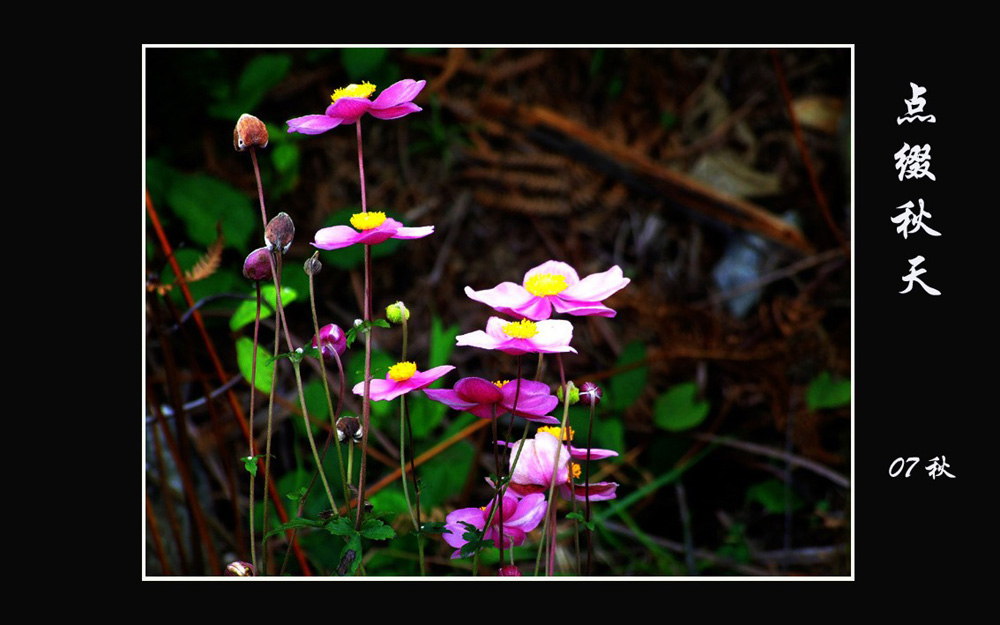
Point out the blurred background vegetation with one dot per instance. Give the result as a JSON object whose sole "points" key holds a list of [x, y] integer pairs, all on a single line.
{"points": [[718, 179]]}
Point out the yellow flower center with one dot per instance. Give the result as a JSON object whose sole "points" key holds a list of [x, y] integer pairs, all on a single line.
{"points": [[500, 383], [402, 371], [522, 329], [542, 284], [575, 469], [557, 432], [363, 90], [367, 221]]}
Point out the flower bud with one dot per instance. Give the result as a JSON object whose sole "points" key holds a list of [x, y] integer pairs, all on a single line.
{"points": [[249, 132], [590, 394], [397, 312], [509, 571], [239, 569], [279, 232], [349, 428], [257, 266], [312, 265], [574, 393], [331, 339]]}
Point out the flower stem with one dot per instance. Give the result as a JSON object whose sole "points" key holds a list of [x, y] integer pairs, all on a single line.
{"points": [[555, 475], [253, 388], [312, 443], [366, 398], [586, 489]]}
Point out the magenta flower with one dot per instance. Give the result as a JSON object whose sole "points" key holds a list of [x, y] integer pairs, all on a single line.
{"points": [[522, 337], [487, 399], [537, 463], [519, 518], [332, 339], [370, 228], [351, 103], [554, 285], [402, 378]]}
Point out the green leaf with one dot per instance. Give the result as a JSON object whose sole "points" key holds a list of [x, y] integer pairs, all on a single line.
{"points": [[342, 526], [434, 527], [361, 62], [824, 392], [350, 556], [298, 523], [296, 495], [679, 409], [581, 520], [626, 387], [259, 76], [442, 342], [375, 529], [771, 495], [246, 312], [250, 464], [244, 357], [202, 201]]}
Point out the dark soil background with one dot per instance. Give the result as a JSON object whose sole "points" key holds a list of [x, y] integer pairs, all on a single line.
{"points": [[730, 214]]}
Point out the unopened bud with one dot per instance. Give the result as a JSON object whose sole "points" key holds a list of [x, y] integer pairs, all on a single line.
{"points": [[590, 394], [249, 132], [574, 393], [509, 571], [279, 232], [312, 265], [397, 312], [349, 428], [257, 266], [331, 339], [239, 569]]}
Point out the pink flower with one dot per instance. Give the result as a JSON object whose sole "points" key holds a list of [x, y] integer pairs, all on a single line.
{"points": [[519, 518], [522, 337], [370, 228], [554, 285], [487, 399], [332, 339], [402, 378], [351, 103], [537, 463]]}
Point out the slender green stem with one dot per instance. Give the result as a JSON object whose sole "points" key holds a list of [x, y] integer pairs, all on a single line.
{"points": [[253, 388], [586, 487], [366, 397], [563, 433], [326, 387]]}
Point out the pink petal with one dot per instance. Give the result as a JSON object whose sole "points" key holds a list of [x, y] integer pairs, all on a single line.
{"points": [[395, 112], [597, 287], [397, 93], [595, 454], [601, 491], [554, 335], [421, 379], [537, 309], [412, 233], [476, 339], [335, 237], [349, 110], [478, 390], [556, 267], [448, 397], [530, 511], [381, 390], [582, 309], [312, 124], [504, 298]]}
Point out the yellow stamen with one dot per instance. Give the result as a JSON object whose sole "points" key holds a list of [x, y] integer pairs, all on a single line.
{"points": [[367, 221], [557, 432], [575, 469], [522, 329], [500, 383], [402, 371], [542, 284], [363, 90]]}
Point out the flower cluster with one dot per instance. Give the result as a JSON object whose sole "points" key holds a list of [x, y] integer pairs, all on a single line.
{"points": [[519, 516], [547, 455]]}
